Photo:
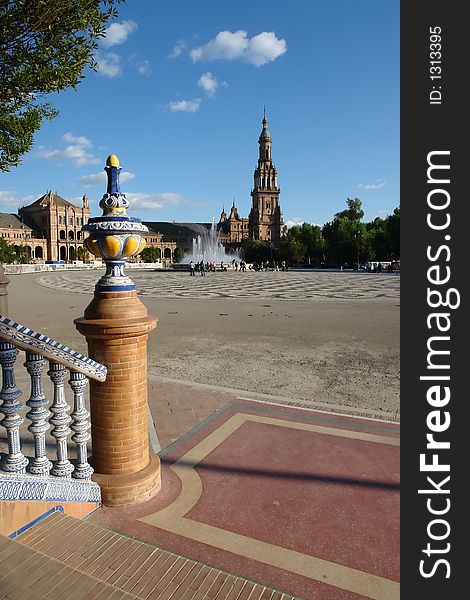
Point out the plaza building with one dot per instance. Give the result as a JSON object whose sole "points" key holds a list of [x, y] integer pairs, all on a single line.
{"points": [[168, 236], [50, 227], [50, 230], [264, 222], [265, 219], [56, 227]]}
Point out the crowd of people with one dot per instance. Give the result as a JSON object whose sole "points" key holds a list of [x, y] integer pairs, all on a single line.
{"points": [[202, 267], [379, 266]]}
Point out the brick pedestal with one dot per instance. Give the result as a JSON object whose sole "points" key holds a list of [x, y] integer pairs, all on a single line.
{"points": [[116, 326]]}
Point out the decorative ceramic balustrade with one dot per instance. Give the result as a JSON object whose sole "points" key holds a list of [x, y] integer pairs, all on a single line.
{"points": [[64, 422]]}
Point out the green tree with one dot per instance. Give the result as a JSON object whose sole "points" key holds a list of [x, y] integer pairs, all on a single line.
{"points": [[22, 254], [393, 231], [291, 249], [379, 243], [151, 255], [177, 255], [346, 238], [354, 211], [384, 235], [82, 254], [311, 237], [45, 47], [7, 253], [258, 251]]}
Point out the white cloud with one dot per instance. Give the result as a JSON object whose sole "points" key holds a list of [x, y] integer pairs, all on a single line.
{"points": [[177, 49], [265, 47], [208, 83], [101, 178], [381, 213], [144, 68], [8, 198], [117, 33], [226, 45], [294, 221], [143, 201], [77, 151], [185, 105], [259, 50], [109, 64], [379, 183], [81, 140]]}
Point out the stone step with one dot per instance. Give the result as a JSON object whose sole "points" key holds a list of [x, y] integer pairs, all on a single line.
{"points": [[29, 574], [128, 566]]}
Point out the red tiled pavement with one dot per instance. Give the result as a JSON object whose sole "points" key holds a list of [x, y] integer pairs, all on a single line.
{"points": [[302, 501]]}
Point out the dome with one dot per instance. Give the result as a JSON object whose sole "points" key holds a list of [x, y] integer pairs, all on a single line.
{"points": [[265, 135]]}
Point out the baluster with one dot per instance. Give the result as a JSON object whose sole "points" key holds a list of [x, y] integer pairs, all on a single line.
{"points": [[80, 425], [60, 419], [40, 464], [14, 462]]}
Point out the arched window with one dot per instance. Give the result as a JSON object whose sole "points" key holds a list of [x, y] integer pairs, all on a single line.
{"points": [[167, 253], [71, 235], [38, 252], [62, 234], [63, 253]]}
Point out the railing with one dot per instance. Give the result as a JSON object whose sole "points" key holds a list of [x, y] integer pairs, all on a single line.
{"points": [[43, 414]]}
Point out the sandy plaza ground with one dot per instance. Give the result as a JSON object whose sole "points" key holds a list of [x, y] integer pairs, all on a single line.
{"points": [[315, 337]]}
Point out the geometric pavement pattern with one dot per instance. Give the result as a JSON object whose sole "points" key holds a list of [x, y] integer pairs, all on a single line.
{"points": [[293, 285]]}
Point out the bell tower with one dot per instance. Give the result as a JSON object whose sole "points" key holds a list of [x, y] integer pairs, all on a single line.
{"points": [[265, 220]]}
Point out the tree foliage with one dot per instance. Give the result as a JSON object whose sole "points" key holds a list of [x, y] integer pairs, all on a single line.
{"points": [[7, 253], [45, 46], [178, 254], [345, 240], [303, 243], [258, 251], [150, 255], [14, 254], [354, 211]]}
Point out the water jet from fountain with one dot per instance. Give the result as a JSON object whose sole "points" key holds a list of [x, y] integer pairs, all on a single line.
{"points": [[209, 248]]}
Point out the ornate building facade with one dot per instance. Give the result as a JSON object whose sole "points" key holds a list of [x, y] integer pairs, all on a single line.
{"points": [[50, 227], [50, 230], [265, 219], [57, 223]]}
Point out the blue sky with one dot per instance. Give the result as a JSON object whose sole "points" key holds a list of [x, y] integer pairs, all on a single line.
{"points": [[179, 98]]}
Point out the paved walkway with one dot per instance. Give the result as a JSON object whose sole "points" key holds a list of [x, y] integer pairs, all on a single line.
{"points": [[330, 349], [293, 285], [67, 559], [298, 500]]}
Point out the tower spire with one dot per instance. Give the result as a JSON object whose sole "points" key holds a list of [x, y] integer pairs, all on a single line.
{"points": [[265, 216]]}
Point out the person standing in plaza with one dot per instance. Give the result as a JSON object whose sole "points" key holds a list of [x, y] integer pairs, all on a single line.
{"points": [[202, 268], [191, 268]]}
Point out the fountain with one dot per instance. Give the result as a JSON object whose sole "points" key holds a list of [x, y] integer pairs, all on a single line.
{"points": [[209, 248]]}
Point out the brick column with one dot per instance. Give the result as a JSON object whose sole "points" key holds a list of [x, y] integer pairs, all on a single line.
{"points": [[116, 326]]}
